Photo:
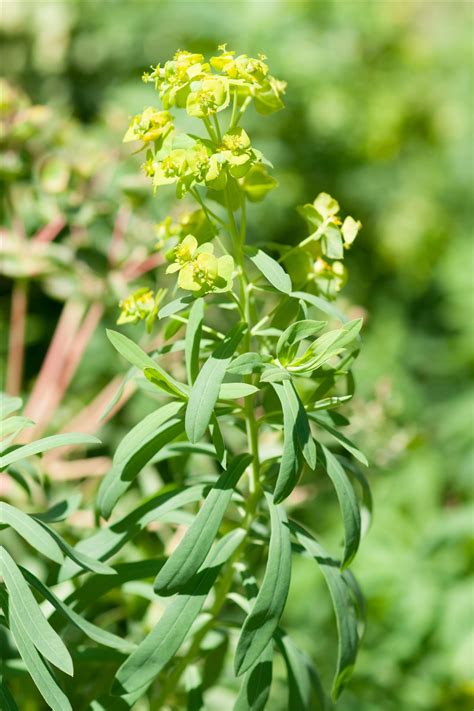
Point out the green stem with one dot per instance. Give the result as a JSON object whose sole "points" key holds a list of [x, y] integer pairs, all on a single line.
{"points": [[218, 128], [209, 129], [235, 106], [255, 490]]}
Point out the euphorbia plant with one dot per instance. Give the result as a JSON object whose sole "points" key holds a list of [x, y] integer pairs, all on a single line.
{"points": [[246, 410]]}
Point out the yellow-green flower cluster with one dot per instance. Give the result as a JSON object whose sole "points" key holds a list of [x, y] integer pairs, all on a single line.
{"points": [[195, 161], [193, 222], [319, 257], [205, 88], [140, 305], [250, 79], [150, 125], [199, 269]]}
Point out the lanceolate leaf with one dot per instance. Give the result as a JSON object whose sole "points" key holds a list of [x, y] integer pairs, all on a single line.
{"points": [[264, 618], [255, 689], [43, 445], [98, 585], [31, 531], [343, 441], [290, 339], [86, 562], [303, 431], [194, 547], [321, 304], [205, 390], [175, 306], [304, 684], [30, 621], [92, 631], [234, 391], [135, 450], [42, 677], [271, 270], [343, 607], [165, 383], [246, 364], [348, 504], [218, 441], [110, 539], [193, 339], [290, 463], [134, 354], [61, 510], [160, 646], [6, 699], [8, 405]]}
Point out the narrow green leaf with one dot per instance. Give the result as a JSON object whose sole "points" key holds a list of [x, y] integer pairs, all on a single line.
{"points": [[218, 441], [95, 586], [303, 431], [205, 391], [9, 404], [264, 618], [194, 689], [290, 463], [347, 502], [187, 558], [110, 539], [43, 445], [165, 383], [346, 619], [367, 502], [274, 374], [271, 270], [11, 428], [321, 304], [7, 701], [162, 643], [39, 672], [246, 364], [342, 439], [234, 391], [290, 339], [255, 689], [193, 340], [135, 450], [92, 631], [175, 306], [326, 347], [30, 620], [31, 531], [137, 357], [61, 510], [304, 684], [84, 561]]}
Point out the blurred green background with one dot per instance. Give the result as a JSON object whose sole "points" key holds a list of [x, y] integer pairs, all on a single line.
{"points": [[379, 114]]}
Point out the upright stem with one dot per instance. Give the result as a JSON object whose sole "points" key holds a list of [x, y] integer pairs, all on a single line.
{"points": [[238, 237], [225, 583]]}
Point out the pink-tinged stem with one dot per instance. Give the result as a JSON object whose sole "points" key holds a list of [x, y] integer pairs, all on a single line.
{"points": [[44, 390], [61, 470], [121, 222], [50, 231], [16, 343], [81, 341], [71, 359], [133, 270]]}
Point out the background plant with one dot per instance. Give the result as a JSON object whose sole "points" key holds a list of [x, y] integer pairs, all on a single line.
{"points": [[377, 113]]}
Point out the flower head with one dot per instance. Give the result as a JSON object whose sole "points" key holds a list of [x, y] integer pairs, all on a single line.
{"points": [[150, 125]]}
